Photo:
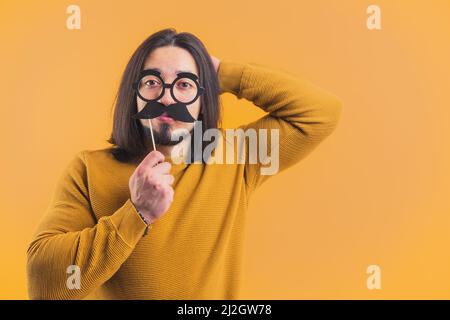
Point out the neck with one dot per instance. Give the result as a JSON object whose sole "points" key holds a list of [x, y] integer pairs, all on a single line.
{"points": [[167, 150]]}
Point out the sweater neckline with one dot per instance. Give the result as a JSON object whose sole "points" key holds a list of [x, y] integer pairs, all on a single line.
{"points": [[177, 165]]}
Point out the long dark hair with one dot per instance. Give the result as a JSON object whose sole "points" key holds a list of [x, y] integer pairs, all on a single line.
{"points": [[128, 137]]}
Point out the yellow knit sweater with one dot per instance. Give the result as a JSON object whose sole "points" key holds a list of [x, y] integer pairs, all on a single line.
{"points": [[194, 250]]}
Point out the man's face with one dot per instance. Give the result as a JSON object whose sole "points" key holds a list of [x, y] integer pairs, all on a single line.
{"points": [[170, 61]]}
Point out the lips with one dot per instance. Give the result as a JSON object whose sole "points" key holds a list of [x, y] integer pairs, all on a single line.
{"points": [[165, 118]]}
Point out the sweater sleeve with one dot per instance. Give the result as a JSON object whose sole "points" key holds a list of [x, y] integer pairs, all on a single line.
{"points": [[302, 115], [69, 235]]}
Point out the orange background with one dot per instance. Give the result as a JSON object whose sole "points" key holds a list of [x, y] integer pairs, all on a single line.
{"points": [[375, 192]]}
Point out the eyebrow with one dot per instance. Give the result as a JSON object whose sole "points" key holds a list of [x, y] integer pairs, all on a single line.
{"points": [[176, 71]]}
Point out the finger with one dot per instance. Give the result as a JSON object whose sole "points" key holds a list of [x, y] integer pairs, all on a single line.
{"points": [[162, 168], [168, 178], [152, 159], [171, 193], [168, 192]]}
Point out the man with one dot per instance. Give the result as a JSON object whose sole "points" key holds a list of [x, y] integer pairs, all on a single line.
{"points": [[134, 222]]}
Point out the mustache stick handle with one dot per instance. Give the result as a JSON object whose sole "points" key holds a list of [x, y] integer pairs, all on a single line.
{"points": [[151, 133]]}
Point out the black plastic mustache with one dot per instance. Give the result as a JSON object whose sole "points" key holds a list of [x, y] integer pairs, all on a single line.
{"points": [[177, 111]]}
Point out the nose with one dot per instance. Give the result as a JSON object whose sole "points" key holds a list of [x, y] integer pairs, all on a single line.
{"points": [[166, 99]]}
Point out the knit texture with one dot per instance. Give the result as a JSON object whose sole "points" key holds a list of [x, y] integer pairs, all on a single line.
{"points": [[194, 251]]}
